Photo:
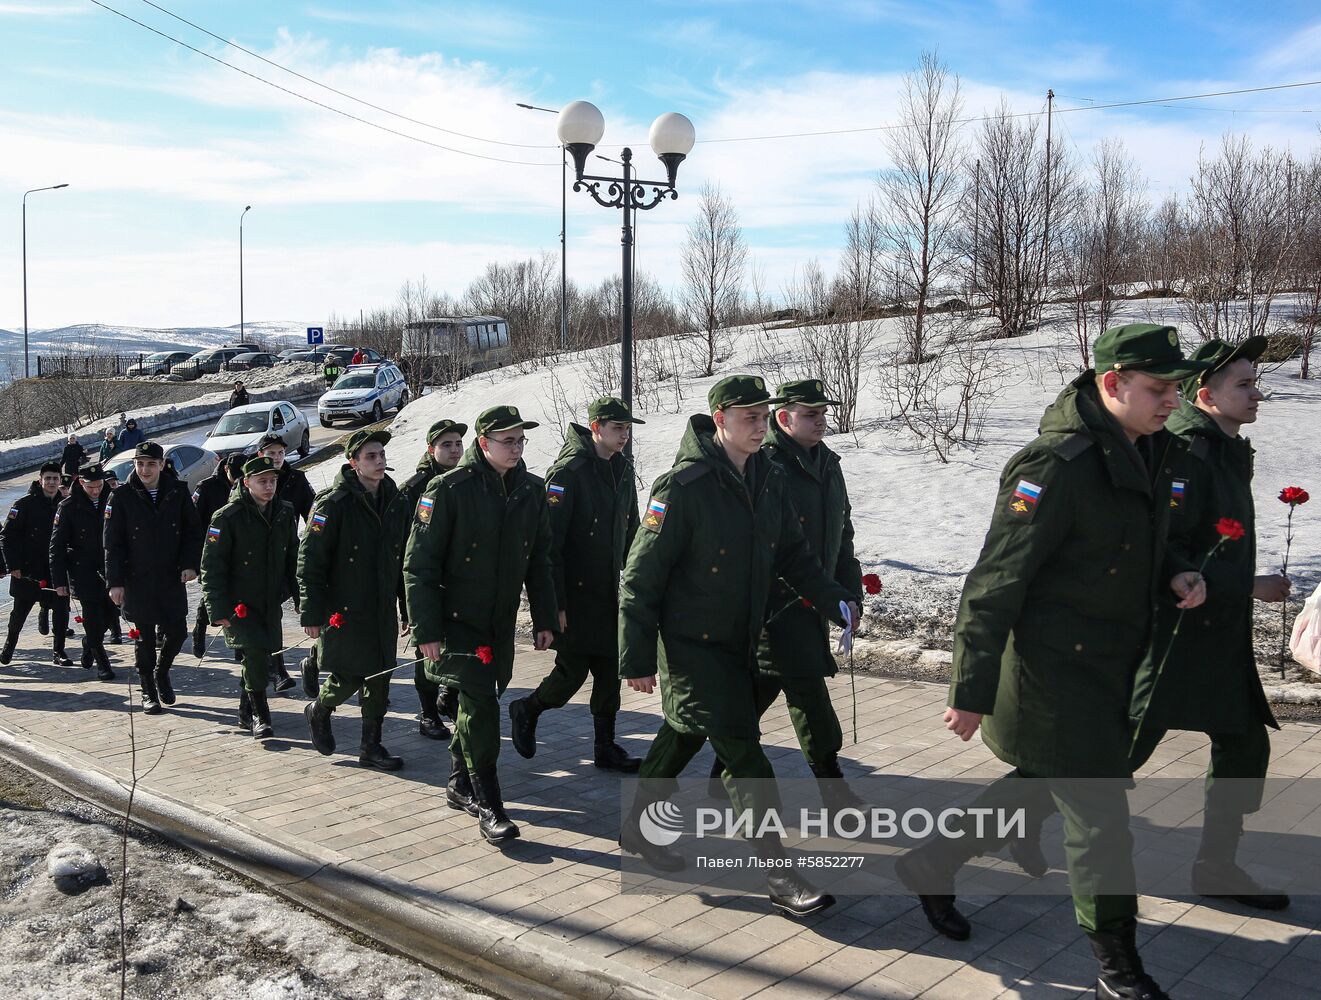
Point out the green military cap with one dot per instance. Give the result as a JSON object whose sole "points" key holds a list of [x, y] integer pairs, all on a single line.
{"points": [[445, 426], [359, 438], [149, 449], [256, 466], [1219, 356], [1147, 348], [501, 418], [612, 408], [92, 473], [740, 390], [807, 391]]}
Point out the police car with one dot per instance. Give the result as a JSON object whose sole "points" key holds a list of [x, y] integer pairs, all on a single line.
{"points": [[363, 392]]}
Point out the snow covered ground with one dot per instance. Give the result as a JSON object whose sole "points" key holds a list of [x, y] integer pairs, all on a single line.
{"points": [[919, 522], [193, 931]]}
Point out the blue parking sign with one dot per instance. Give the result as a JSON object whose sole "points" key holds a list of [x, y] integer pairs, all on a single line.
{"points": [[316, 335]]}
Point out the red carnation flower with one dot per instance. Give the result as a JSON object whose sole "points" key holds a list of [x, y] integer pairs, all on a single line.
{"points": [[871, 583], [336, 620], [78, 619], [43, 583], [1232, 530], [240, 610], [134, 634], [1294, 495], [805, 602], [485, 654]]}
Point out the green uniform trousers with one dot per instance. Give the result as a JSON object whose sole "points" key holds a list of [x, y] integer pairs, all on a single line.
{"points": [[569, 674], [477, 730], [1098, 844], [255, 669], [748, 776], [336, 690], [810, 711], [428, 692], [1236, 776]]}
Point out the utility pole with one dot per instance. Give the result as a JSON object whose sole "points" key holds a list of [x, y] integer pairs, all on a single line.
{"points": [[1045, 236], [976, 225]]}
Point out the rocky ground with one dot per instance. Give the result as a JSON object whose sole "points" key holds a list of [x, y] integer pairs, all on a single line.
{"points": [[192, 930]]}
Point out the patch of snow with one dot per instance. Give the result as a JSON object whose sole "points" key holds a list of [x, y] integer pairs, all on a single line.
{"points": [[73, 861]]}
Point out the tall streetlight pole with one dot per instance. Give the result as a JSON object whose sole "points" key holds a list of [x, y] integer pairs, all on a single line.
{"points": [[27, 371], [580, 128], [564, 205], [246, 210]]}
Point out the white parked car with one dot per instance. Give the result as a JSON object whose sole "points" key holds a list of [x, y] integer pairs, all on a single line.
{"points": [[364, 392], [191, 463], [242, 428]]}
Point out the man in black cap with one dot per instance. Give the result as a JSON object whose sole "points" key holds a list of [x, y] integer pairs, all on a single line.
{"points": [[481, 535], [239, 397], [211, 494], [77, 563], [718, 531], [1209, 683], [794, 654], [153, 550], [26, 541], [348, 571], [593, 518], [249, 569], [444, 449], [1052, 626]]}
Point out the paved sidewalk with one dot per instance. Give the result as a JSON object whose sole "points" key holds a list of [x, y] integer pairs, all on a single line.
{"points": [[556, 890]]}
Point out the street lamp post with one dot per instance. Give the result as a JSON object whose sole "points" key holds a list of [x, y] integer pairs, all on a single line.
{"points": [[580, 128], [564, 205], [27, 370], [242, 334]]}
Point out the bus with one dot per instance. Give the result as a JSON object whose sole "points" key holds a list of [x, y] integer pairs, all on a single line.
{"points": [[448, 348]]}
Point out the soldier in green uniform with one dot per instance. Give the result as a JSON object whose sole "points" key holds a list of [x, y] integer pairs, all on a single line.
{"points": [[1209, 683], [249, 569], [444, 449], [794, 655], [482, 534], [593, 516], [717, 532], [1053, 623], [348, 569]]}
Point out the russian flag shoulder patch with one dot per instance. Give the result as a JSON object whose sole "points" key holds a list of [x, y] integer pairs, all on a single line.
{"points": [[1024, 500], [654, 518]]}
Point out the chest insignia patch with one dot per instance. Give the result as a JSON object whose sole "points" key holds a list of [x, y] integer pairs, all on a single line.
{"points": [[317, 523], [554, 493], [1177, 489], [424, 508], [1023, 502], [654, 519]]}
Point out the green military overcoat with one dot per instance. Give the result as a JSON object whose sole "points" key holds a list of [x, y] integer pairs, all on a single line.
{"points": [[412, 489], [478, 539], [593, 517], [698, 580], [1055, 617], [1209, 683], [250, 558], [796, 642], [348, 564]]}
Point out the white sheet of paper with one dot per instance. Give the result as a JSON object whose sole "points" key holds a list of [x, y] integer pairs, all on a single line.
{"points": [[846, 637]]}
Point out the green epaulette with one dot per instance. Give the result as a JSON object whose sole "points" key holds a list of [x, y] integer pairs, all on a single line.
{"points": [[692, 472], [1199, 446], [1073, 446]]}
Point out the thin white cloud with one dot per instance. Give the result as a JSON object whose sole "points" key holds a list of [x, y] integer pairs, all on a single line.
{"points": [[41, 9], [1299, 53]]}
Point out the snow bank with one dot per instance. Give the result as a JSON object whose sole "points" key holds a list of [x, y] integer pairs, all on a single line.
{"points": [[73, 861]]}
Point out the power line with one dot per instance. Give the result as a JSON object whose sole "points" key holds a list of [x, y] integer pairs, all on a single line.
{"points": [[350, 97], [310, 100]]}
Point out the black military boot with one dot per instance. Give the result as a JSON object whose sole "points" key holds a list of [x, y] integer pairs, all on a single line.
{"points": [[835, 791], [458, 792], [607, 754], [1026, 852], [928, 871], [279, 675], [60, 658], [495, 825], [790, 893], [523, 715], [88, 660], [370, 751], [650, 793], [163, 684], [245, 709], [151, 704], [7, 653], [43, 621], [318, 724], [428, 723], [311, 676], [1216, 873], [103, 671], [1122, 976], [199, 637], [261, 722]]}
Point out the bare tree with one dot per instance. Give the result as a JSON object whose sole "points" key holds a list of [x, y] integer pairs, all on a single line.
{"points": [[526, 293], [1161, 237], [714, 255], [920, 192], [1308, 268], [862, 264], [837, 342]]}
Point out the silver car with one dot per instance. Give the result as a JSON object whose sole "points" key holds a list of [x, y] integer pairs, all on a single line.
{"points": [[242, 428], [191, 463]]}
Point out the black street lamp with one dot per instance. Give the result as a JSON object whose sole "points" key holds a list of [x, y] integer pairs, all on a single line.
{"points": [[27, 371], [564, 267], [246, 210], [580, 128]]}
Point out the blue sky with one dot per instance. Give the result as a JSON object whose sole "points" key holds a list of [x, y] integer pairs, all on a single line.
{"points": [[162, 148]]}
